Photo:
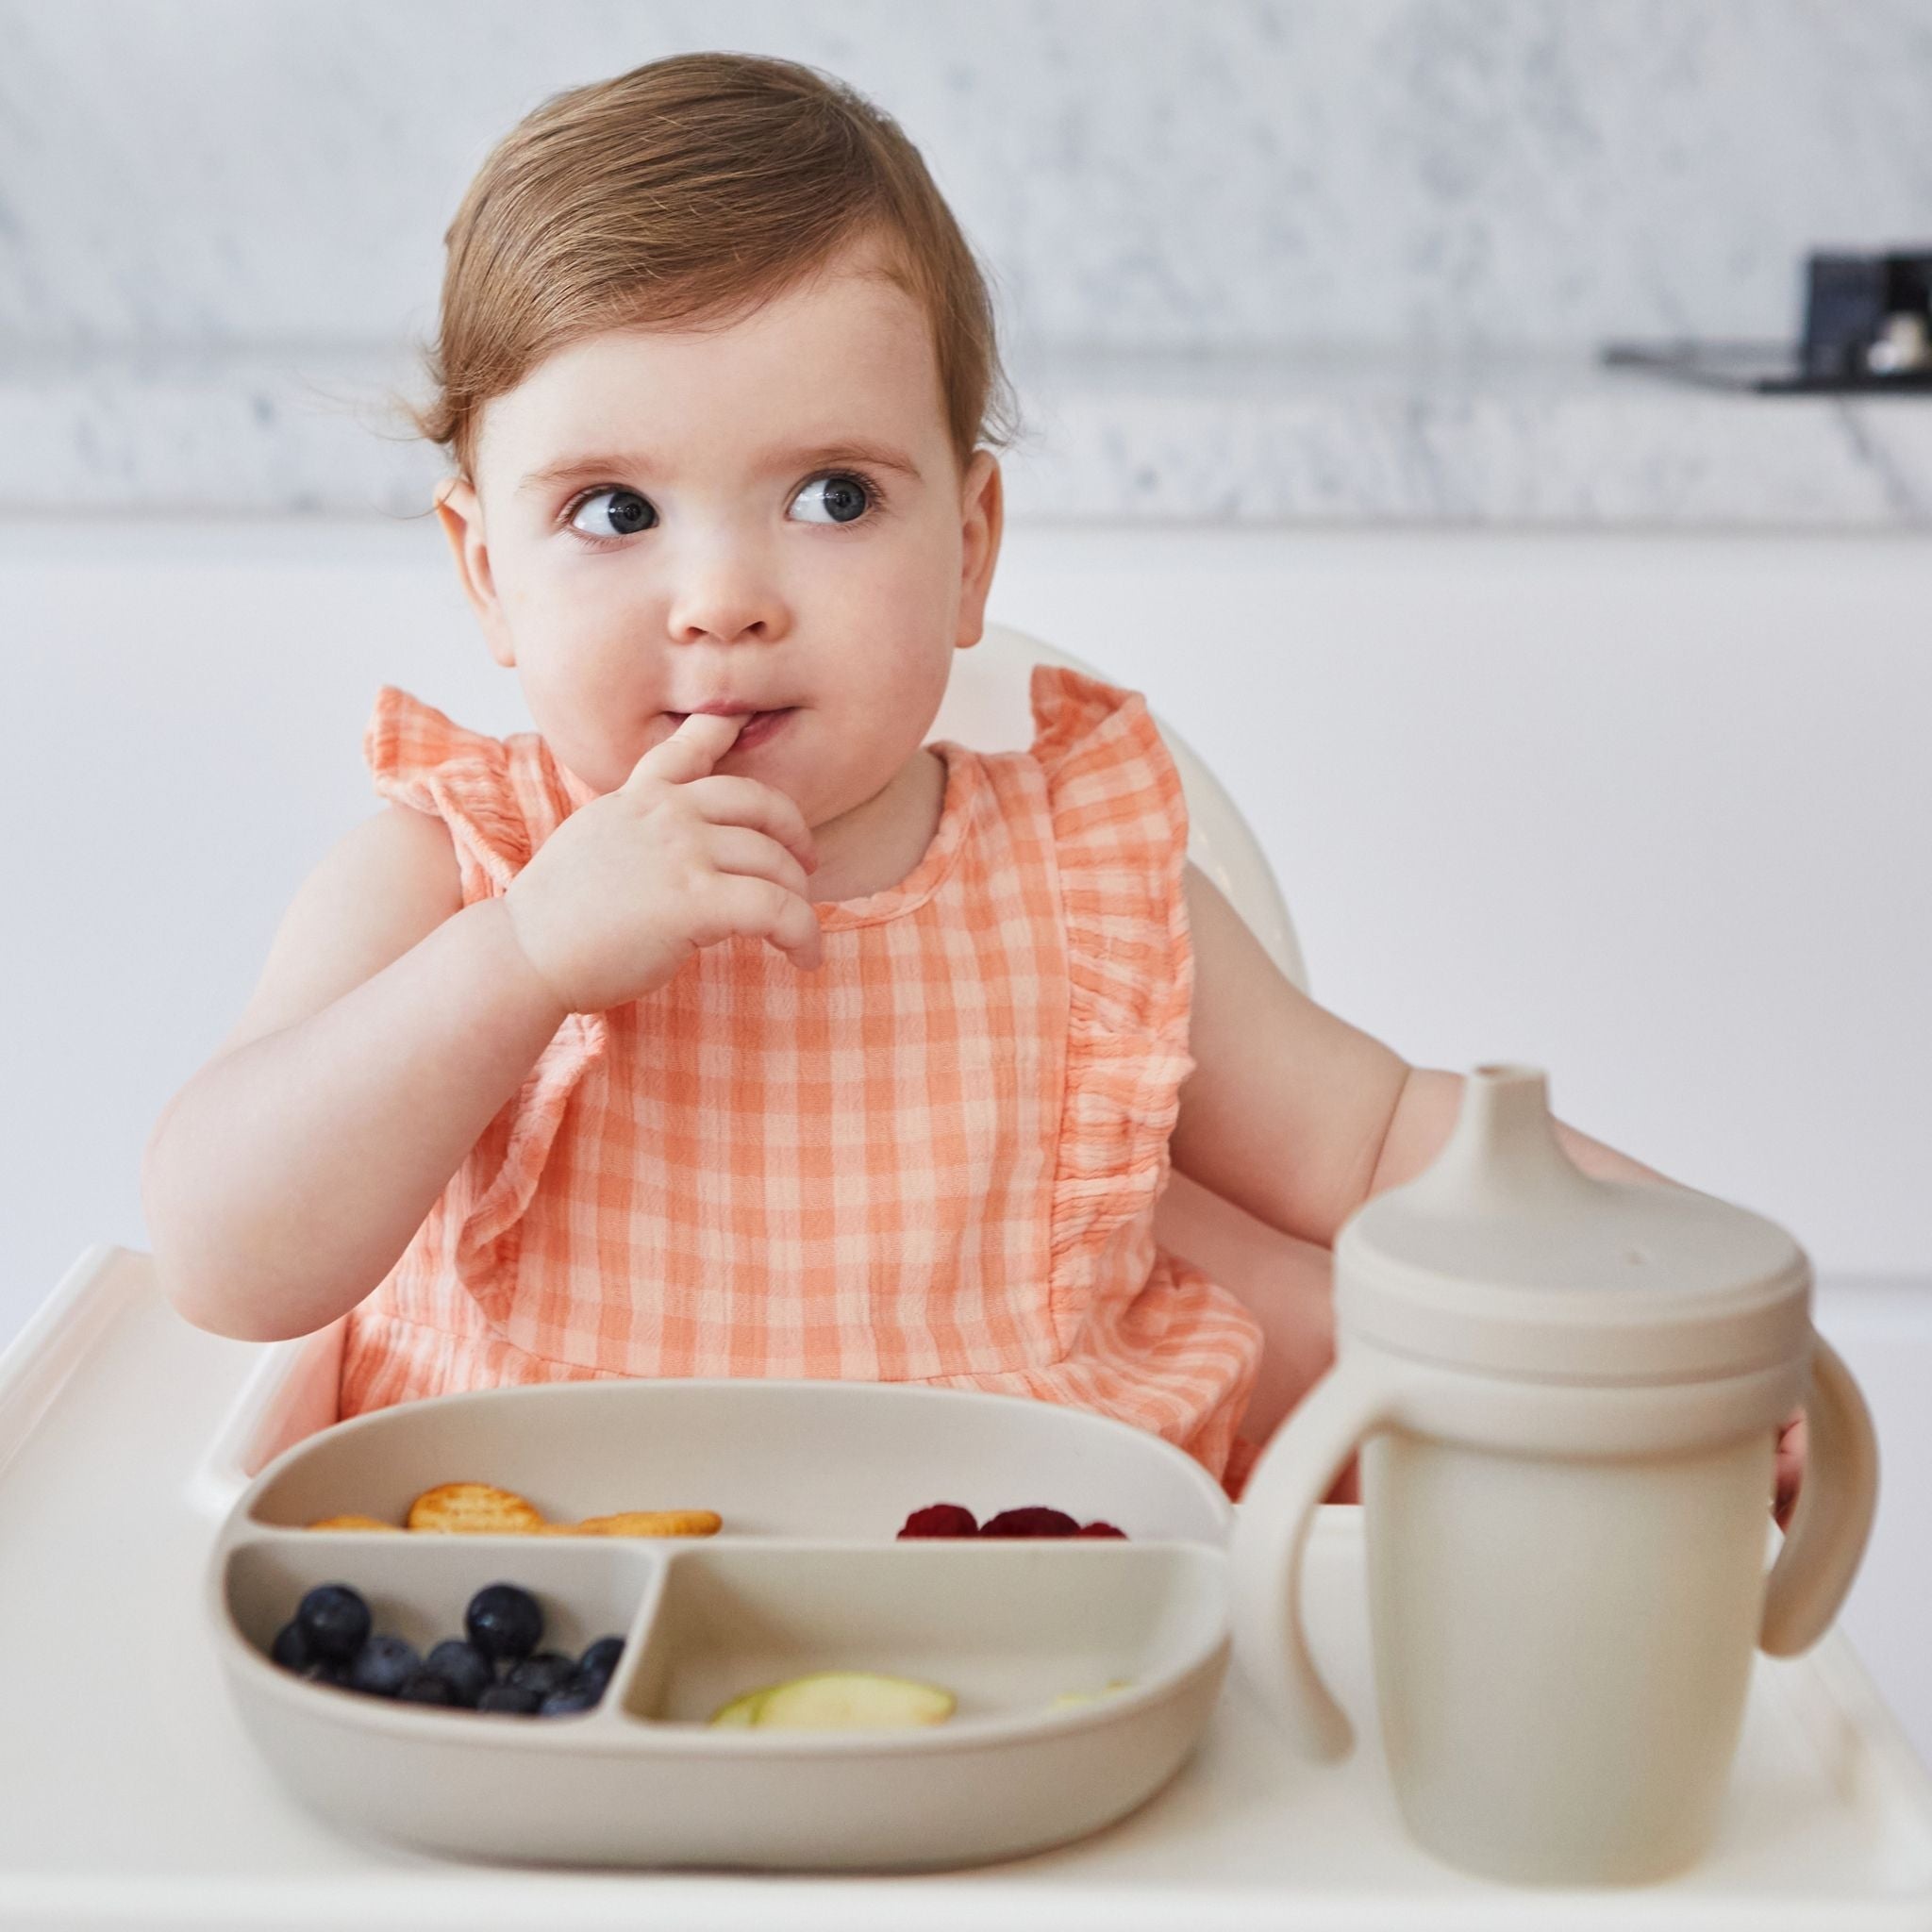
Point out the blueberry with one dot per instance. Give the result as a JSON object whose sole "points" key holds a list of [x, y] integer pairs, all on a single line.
{"points": [[320, 1673], [383, 1666], [504, 1621], [336, 1622], [513, 1698], [601, 1659], [425, 1687], [596, 1682], [574, 1696], [462, 1667], [291, 1648], [548, 1670]]}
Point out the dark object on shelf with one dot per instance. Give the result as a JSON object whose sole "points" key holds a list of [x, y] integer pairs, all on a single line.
{"points": [[1868, 331]]}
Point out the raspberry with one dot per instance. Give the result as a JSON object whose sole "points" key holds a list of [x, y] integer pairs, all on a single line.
{"points": [[941, 1519], [1101, 1529], [1036, 1521]]}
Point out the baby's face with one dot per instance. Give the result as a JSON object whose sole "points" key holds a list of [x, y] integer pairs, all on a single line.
{"points": [[768, 514]]}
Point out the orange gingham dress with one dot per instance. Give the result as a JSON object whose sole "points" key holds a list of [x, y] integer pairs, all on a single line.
{"points": [[936, 1159]]}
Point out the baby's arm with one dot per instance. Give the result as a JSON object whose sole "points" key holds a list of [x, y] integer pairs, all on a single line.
{"points": [[1294, 1114], [283, 1182], [389, 1026], [1299, 1117]]}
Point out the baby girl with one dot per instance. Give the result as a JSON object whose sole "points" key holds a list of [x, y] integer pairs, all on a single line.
{"points": [[721, 1024]]}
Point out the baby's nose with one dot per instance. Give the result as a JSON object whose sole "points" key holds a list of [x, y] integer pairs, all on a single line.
{"points": [[728, 595]]}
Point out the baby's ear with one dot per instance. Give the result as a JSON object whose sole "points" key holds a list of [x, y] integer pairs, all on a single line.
{"points": [[983, 510], [461, 513]]}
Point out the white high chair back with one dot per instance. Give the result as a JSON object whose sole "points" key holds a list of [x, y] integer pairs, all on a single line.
{"points": [[1284, 1282]]}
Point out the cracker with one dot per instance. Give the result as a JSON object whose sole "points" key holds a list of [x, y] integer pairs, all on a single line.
{"points": [[653, 1523], [355, 1523], [474, 1510]]}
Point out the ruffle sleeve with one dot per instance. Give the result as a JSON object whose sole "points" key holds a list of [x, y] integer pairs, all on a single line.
{"points": [[1120, 825], [420, 758], [487, 793]]}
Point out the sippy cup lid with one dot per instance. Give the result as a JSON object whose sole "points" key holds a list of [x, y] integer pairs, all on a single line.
{"points": [[1505, 1258]]}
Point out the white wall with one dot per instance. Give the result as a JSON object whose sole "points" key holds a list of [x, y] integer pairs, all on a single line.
{"points": [[1656, 812]]}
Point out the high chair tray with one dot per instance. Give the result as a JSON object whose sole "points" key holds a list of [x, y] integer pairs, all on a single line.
{"points": [[132, 1796]]}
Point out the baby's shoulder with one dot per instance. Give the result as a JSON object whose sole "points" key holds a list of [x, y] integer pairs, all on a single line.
{"points": [[393, 874], [384, 887], [407, 853]]}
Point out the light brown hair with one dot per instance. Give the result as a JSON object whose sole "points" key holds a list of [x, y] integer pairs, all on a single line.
{"points": [[682, 195]]}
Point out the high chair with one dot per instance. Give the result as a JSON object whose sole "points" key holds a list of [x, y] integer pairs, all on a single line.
{"points": [[1283, 1282]]}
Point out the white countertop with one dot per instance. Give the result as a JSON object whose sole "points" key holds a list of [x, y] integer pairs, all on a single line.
{"points": [[1544, 439]]}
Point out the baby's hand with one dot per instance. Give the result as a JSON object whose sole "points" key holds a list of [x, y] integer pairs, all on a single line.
{"points": [[677, 857], [1790, 1468]]}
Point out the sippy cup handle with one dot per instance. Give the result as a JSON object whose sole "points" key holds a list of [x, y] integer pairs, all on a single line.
{"points": [[1296, 1471], [1836, 1504]]}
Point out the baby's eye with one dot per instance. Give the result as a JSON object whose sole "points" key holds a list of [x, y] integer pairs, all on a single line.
{"points": [[835, 497], [626, 513]]}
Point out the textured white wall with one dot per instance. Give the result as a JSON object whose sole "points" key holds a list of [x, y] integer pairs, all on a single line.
{"points": [[1285, 260], [1655, 813], [1451, 172]]}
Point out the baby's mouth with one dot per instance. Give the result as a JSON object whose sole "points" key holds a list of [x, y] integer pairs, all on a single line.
{"points": [[749, 717], [758, 726]]}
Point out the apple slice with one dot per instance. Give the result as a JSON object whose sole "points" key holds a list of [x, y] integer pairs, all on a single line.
{"points": [[741, 1711], [1070, 1700], [846, 1701]]}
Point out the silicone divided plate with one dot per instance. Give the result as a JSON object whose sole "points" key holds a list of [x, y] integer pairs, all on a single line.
{"points": [[812, 1481]]}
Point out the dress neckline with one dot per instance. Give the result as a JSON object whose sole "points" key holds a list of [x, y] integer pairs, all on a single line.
{"points": [[941, 854]]}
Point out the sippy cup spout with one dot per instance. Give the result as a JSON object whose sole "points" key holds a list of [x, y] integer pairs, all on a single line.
{"points": [[1503, 1152]]}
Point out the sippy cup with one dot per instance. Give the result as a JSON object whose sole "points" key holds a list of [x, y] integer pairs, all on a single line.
{"points": [[1568, 1394]]}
